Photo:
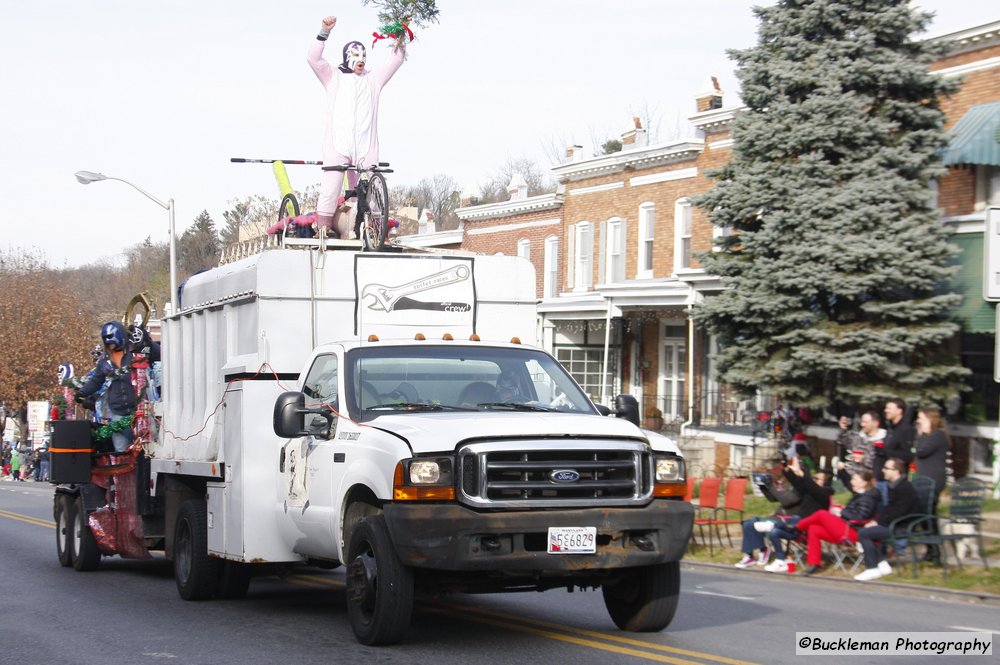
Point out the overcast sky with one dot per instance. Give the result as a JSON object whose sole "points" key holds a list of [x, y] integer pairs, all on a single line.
{"points": [[163, 94]]}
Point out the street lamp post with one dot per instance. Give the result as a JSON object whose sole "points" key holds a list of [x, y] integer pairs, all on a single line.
{"points": [[87, 177]]}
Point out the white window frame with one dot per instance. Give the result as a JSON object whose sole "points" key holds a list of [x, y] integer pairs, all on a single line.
{"points": [[524, 248], [584, 272], [615, 264], [647, 237], [987, 187], [683, 228], [550, 269]]}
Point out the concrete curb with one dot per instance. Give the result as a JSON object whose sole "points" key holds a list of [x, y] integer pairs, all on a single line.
{"points": [[939, 593]]}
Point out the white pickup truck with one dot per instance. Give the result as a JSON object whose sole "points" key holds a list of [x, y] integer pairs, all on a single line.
{"points": [[384, 411]]}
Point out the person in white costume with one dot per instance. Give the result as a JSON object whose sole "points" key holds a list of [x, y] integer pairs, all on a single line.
{"points": [[351, 135]]}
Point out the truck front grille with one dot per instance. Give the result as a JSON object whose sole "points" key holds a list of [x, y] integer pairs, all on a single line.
{"points": [[543, 473]]}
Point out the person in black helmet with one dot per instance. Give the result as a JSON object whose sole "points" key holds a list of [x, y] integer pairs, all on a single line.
{"points": [[112, 371]]}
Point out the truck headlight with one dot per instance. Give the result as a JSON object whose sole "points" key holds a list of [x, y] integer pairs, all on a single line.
{"points": [[669, 469], [424, 479], [670, 477], [430, 471]]}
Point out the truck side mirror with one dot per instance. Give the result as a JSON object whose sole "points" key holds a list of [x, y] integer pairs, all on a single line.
{"points": [[289, 411], [627, 407]]}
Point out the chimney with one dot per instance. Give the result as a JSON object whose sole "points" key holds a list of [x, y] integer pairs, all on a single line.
{"points": [[574, 153], [710, 97], [468, 198], [426, 223], [518, 188], [636, 137]]}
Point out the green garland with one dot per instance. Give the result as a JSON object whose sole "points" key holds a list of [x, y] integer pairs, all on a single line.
{"points": [[105, 431]]}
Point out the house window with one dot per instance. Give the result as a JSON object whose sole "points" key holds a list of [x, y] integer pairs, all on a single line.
{"points": [[579, 347], [550, 276], [647, 226], [524, 248], [615, 252], [987, 187], [584, 256], [682, 234]]}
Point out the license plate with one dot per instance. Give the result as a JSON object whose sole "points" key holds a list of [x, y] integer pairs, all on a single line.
{"points": [[572, 539]]}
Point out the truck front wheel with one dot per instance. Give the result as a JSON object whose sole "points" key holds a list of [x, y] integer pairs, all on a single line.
{"points": [[379, 586], [194, 570], [644, 599], [83, 548], [63, 513]]}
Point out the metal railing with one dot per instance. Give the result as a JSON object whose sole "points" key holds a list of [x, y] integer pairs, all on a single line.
{"points": [[711, 409]]}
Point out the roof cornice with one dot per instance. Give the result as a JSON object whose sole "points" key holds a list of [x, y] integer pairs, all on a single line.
{"points": [[971, 39], [714, 118], [639, 158], [550, 201]]}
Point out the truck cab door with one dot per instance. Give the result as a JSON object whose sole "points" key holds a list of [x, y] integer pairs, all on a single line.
{"points": [[307, 461]]}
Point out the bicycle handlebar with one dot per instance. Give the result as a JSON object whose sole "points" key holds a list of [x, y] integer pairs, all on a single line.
{"points": [[243, 160], [379, 168]]}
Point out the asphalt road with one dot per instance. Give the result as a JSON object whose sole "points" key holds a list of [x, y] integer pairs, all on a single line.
{"points": [[129, 612]]}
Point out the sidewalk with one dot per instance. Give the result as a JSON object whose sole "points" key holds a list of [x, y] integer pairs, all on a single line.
{"points": [[896, 586]]}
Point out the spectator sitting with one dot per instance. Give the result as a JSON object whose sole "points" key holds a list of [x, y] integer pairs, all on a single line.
{"points": [[805, 496], [815, 494], [835, 525], [902, 501]]}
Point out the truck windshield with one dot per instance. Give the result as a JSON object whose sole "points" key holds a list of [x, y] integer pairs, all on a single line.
{"points": [[458, 378]]}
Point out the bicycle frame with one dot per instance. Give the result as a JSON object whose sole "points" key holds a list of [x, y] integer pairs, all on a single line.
{"points": [[371, 223]]}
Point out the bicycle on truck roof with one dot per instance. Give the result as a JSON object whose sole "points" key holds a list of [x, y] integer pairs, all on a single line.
{"points": [[289, 210], [371, 221]]}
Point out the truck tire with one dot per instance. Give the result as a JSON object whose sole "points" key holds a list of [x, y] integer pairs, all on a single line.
{"points": [[195, 572], [83, 548], [379, 586], [62, 510], [644, 599], [233, 580]]}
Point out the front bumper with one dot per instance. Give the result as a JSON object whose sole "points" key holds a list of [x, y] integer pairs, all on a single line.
{"points": [[453, 537]]}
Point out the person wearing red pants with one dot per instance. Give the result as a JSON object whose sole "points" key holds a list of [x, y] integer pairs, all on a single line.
{"points": [[837, 524]]}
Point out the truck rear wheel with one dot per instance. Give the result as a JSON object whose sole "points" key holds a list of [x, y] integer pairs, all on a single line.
{"points": [[194, 570], [63, 514], [379, 586], [644, 599], [83, 548]]}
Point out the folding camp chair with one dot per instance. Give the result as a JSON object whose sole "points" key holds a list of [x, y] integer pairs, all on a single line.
{"points": [[708, 501], [736, 491]]}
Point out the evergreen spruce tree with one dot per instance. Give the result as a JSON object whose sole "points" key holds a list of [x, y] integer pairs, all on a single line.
{"points": [[837, 266], [198, 248]]}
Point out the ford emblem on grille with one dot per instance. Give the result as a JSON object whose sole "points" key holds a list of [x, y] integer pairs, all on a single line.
{"points": [[565, 476]]}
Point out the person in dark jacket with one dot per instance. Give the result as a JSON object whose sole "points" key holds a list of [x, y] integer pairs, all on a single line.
{"points": [[898, 442], [838, 525], [112, 370], [902, 502], [931, 451], [802, 496], [815, 494]]}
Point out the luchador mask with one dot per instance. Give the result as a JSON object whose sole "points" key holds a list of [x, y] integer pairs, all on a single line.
{"points": [[354, 53]]}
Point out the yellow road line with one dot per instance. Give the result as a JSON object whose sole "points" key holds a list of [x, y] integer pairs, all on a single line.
{"points": [[27, 519], [514, 622], [593, 644], [606, 636]]}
